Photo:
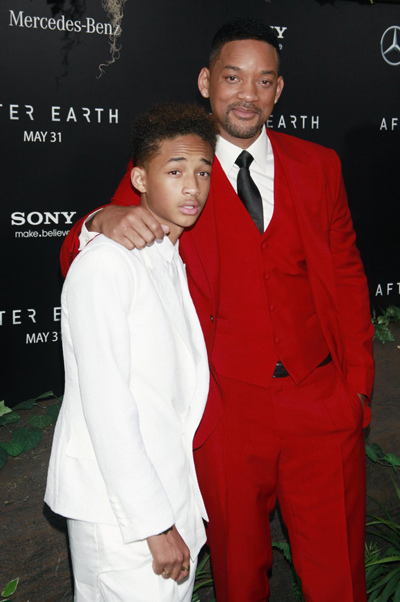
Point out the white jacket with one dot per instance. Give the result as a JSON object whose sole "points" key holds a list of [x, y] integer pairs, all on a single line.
{"points": [[136, 383]]}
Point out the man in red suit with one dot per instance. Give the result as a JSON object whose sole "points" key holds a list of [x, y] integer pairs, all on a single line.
{"points": [[282, 298]]}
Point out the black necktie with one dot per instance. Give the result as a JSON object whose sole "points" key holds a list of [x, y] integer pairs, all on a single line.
{"points": [[248, 191]]}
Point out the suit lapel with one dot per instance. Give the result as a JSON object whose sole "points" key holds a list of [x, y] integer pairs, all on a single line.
{"points": [[166, 291], [309, 191]]}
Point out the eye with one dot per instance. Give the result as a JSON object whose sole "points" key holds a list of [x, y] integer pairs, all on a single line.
{"points": [[265, 82], [204, 174], [174, 172], [231, 78]]}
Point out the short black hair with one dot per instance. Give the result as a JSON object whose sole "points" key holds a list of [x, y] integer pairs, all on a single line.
{"points": [[166, 121], [243, 28]]}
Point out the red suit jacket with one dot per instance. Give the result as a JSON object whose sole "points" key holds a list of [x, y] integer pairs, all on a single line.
{"points": [[335, 271]]}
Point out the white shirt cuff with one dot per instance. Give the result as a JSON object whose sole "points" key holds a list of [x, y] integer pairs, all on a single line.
{"points": [[85, 236]]}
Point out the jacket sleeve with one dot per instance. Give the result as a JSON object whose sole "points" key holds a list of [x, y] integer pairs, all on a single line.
{"points": [[98, 297], [352, 293], [124, 195]]}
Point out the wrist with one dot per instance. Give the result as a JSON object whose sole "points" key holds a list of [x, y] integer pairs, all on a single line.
{"points": [[166, 531]]}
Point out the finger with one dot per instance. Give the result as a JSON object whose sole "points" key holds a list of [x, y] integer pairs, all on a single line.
{"points": [[133, 240], [184, 573], [157, 568], [174, 567], [151, 227], [165, 574], [137, 236]]}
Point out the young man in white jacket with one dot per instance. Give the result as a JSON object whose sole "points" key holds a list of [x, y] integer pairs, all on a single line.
{"points": [[136, 384]]}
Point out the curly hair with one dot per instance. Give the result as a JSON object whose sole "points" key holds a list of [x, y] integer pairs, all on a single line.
{"points": [[242, 28], [166, 121]]}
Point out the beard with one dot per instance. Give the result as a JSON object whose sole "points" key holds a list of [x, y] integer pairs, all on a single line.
{"points": [[242, 130]]}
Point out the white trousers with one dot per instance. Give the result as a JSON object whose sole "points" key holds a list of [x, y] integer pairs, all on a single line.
{"points": [[108, 570]]}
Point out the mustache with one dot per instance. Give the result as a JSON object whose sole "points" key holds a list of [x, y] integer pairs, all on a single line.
{"points": [[243, 105]]}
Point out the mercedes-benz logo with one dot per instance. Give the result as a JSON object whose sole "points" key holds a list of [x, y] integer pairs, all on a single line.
{"points": [[390, 47]]}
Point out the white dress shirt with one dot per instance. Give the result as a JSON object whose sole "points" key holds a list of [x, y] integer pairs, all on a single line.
{"points": [[261, 169]]}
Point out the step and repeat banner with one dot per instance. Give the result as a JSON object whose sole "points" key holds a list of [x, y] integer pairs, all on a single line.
{"points": [[65, 124]]}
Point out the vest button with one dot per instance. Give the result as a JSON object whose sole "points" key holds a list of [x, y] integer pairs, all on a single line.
{"points": [[277, 340], [264, 245], [212, 318], [267, 276], [272, 307]]}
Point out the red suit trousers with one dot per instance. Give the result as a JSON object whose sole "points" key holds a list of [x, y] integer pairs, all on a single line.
{"points": [[304, 445]]}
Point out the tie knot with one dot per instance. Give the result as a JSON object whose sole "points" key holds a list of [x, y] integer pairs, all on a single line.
{"points": [[244, 159]]}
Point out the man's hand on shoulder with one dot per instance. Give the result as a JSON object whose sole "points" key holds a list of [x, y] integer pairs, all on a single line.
{"points": [[131, 227], [171, 556]]}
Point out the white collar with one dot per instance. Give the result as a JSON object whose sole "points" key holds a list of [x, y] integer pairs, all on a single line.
{"points": [[166, 248], [227, 152]]}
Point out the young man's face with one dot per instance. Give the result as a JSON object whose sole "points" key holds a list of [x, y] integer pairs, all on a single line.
{"points": [[176, 182], [243, 85]]}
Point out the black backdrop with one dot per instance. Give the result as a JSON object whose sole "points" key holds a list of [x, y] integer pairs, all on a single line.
{"points": [[65, 132]]}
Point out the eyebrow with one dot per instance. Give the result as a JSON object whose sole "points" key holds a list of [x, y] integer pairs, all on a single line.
{"points": [[234, 68], [173, 159]]}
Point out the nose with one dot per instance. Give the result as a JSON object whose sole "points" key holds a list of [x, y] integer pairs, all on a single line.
{"points": [[248, 91], [190, 186]]}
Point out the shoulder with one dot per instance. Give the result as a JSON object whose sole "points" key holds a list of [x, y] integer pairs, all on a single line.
{"points": [[104, 259], [286, 142]]}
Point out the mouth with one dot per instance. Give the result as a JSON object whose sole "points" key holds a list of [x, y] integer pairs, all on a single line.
{"points": [[244, 112], [190, 208]]}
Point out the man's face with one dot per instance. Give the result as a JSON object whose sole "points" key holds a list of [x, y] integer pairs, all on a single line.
{"points": [[176, 182], [243, 86]]}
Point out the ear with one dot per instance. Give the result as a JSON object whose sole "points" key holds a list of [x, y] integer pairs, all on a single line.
{"points": [[139, 178], [279, 88], [203, 82]]}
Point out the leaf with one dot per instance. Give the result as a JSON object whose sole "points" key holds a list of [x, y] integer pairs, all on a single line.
{"points": [[4, 409], [53, 411], [25, 405], [392, 459], [3, 458], [371, 453], [378, 450], [12, 448], [10, 588], [29, 437], [382, 333], [9, 418], [284, 547], [40, 422], [45, 395]]}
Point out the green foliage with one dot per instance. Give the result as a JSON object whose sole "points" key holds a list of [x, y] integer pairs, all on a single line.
{"points": [[9, 418], [381, 323], [383, 568], [204, 577], [4, 409], [375, 453], [28, 437], [10, 588], [284, 547], [40, 422]]}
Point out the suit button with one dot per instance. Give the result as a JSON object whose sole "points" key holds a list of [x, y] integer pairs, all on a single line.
{"points": [[212, 318]]}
